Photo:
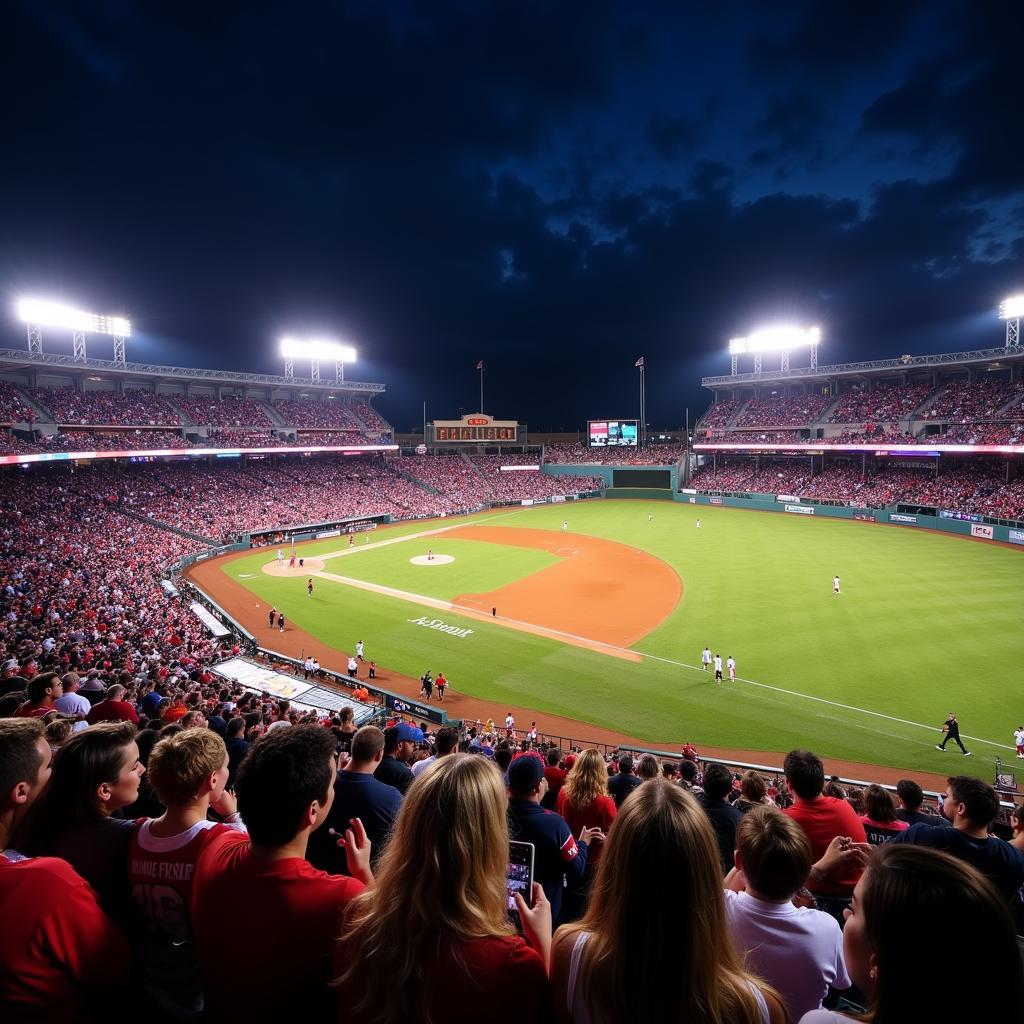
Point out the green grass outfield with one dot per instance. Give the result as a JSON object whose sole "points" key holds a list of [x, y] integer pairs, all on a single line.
{"points": [[927, 623]]}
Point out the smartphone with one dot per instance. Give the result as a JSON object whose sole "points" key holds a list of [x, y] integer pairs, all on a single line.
{"points": [[519, 878]]}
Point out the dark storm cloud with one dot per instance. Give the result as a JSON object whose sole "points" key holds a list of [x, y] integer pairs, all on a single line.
{"points": [[557, 189]]}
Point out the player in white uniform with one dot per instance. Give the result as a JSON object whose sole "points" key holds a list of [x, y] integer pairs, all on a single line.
{"points": [[430, 554], [280, 556], [1018, 739], [565, 525], [698, 524], [835, 584], [718, 669], [359, 649], [650, 517], [730, 664], [705, 659]]}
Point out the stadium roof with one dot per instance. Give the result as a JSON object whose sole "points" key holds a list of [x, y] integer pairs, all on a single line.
{"points": [[987, 358], [21, 359]]}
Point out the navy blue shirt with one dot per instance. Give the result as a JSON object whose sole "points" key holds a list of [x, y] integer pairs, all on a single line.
{"points": [[620, 786], [1000, 862], [556, 853], [356, 795]]}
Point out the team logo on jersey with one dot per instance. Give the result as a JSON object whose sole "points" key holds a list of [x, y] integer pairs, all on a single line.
{"points": [[569, 849]]}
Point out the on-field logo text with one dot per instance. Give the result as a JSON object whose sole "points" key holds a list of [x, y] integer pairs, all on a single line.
{"points": [[439, 625]]}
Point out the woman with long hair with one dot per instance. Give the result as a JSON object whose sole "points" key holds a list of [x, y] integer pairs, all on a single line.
{"points": [[434, 939], [95, 774], [897, 930], [753, 792], [658, 888], [584, 802]]}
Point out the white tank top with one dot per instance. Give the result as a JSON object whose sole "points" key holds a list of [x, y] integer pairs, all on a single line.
{"points": [[577, 1005]]}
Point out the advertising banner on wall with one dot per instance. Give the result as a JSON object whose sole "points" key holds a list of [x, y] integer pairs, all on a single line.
{"points": [[1017, 536], [864, 517], [899, 517], [714, 501], [985, 532], [804, 510]]}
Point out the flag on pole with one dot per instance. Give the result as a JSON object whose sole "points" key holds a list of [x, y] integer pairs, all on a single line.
{"points": [[639, 362], [480, 365]]}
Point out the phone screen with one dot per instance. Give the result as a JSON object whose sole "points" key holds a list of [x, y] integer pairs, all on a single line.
{"points": [[519, 877]]}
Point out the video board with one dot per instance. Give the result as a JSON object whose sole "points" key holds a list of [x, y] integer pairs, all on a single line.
{"points": [[612, 433]]}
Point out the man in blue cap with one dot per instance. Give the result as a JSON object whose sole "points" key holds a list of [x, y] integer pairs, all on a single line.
{"points": [[399, 744], [556, 852]]}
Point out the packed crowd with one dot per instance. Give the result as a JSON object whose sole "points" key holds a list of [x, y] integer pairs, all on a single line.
{"points": [[965, 402], [884, 403], [328, 415], [102, 441], [13, 407], [980, 488], [129, 408], [980, 433], [661, 454], [330, 438], [720, 414], [369, 417], [519, 485], [228, 412], [783, 411], [203, 861]]}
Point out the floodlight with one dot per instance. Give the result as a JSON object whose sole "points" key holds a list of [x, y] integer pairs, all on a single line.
{"points": [[54, 314], [317, 348], [1012, 308], [780, 338]]}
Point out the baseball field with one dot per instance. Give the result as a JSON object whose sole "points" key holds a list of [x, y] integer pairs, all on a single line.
{"points": [[603, 623]]}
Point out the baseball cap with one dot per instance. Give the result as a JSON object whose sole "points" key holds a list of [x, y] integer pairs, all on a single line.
{"points": [[11, 663], [525, 773], [408, 732], [570, 760]]}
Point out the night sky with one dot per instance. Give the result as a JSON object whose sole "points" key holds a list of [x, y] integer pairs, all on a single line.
{"points": [[556, 189]]}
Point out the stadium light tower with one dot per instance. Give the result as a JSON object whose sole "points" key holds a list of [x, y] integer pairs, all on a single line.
{"points": [[40, 313], [782, 338], [1011, 310], [315, 350]]}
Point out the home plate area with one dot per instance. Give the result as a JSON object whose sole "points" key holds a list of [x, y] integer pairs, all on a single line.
{"points": [[432, 559]]}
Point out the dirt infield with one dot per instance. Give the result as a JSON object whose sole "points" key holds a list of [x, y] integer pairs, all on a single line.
{"points": [[599, 589], [244, 606]]}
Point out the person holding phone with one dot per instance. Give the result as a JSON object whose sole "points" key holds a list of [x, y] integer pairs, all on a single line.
{"points": [[435, 933]]}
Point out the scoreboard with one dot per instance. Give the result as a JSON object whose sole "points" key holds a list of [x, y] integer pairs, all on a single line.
{"points": [[612, 433], [476, 428]]}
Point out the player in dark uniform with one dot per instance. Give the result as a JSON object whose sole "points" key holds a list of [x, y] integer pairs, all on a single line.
{"points": [[272, 616], [952, 730], [426, 685]]}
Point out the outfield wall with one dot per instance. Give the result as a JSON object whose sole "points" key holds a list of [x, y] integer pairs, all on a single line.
{"points": [[615, 475], [890, 515]]}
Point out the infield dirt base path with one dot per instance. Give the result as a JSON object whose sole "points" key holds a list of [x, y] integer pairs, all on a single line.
{"points": [[244, 606], [598, 589]]}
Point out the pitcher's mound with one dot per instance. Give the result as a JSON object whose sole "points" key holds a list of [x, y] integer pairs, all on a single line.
{"points": [[312, 565], [435, 560]]}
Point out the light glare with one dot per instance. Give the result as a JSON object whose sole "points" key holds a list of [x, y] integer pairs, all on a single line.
{"points": [[779, 338], [1012, 308], [55, 314], [317, 349]]}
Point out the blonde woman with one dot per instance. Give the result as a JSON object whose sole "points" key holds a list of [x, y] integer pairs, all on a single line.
{"points": [[584, 803], [659, 887], [434, 936]]}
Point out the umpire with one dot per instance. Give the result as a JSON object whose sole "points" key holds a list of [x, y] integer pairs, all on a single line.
{"points": [[952, 730]]}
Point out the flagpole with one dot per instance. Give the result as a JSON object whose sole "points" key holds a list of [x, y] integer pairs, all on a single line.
{"points": [[481, 388]]}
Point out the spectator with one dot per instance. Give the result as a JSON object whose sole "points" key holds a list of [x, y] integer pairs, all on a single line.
{"points": [[585, 804], [188, 773], [237, 747], [752, 792], [265, 921], [879, 817], [797, 949], [60, 955], [555, 776], [898, 928], [357, 794], [659, 881], [445, 742], [972, 805], [399, 747], [72, 703], [648, 768], [434, 938], [558, 857], [723, 816], [822, 818], [43, 691], [621, 785], [114, 708], [95, 774], [911, 796]]}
